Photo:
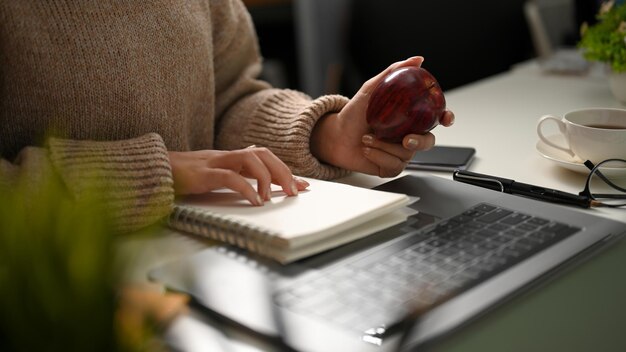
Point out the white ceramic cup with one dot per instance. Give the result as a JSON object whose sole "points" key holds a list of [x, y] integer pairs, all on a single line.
{"points": [[594, 134]]}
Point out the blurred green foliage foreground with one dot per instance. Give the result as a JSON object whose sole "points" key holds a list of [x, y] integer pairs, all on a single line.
{"points": [[57, 273]]}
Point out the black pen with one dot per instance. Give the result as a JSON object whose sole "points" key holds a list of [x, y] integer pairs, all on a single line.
{"points": [[510, 186]]}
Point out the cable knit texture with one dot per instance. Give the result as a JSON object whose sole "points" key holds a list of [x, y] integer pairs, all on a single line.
{"points": [[134, 176], [120, 83]]}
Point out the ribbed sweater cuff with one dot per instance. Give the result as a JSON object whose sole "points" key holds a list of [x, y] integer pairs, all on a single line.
{"points": [[284, 123], [133, 176]]}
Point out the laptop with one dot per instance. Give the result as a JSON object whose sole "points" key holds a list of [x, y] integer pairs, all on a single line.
{"points": [[465, 250]]}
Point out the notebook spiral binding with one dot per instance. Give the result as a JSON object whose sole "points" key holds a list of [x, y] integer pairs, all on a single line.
{"points": [[222, 228]]}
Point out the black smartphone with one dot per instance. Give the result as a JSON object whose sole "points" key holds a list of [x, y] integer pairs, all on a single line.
{"points": [[443, 158]]}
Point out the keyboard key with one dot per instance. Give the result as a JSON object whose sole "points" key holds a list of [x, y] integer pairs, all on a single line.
{"points": [[511, 251], [503, 257], [495, 215], [473, 213], [494, 259], [560, 229], [477, 251], [490, 245], [501, 239], [485, 208], [515, 219], [531, 242], [451, 236], [526, 227], [497, 227], [448, 251], [448, 268], [542, 236], [437, 242], [464, 258], [487, 233], [474, 272], [449, 225], [462, 245], [473, 239], [439, 230], [538, 221], [461, 232], [474, 225], [422, 249], [462, 219], [519, 246], [514, 233], [434, 259]]}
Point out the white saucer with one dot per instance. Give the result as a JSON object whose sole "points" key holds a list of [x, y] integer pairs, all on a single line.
{"points": [[572, 163]]}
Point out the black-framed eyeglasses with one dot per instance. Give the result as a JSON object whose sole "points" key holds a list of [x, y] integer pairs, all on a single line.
{"points": [[606, 183]]}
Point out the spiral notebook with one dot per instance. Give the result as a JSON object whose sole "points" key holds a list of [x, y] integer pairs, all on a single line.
{"points": [[286, 229]]}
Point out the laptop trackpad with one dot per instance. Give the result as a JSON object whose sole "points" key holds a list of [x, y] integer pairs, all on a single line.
{"points": [[226, 281]]}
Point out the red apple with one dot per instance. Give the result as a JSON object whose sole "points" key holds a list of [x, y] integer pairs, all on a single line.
{"points": [[408, 100]]}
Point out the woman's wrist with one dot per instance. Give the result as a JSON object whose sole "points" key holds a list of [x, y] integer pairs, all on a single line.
{"points": [[322, 137]]}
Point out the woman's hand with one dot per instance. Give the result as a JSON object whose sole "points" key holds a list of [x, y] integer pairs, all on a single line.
{"points": [[206, 170], [345, 139]]}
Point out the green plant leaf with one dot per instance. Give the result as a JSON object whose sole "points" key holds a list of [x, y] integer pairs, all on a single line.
{"points": [[605, 41]]}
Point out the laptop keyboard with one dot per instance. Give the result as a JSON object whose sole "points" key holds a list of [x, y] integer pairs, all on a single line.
{"points": [[423, 268]]}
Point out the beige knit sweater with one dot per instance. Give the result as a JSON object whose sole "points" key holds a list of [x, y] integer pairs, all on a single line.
{"points": [[119, 82]]}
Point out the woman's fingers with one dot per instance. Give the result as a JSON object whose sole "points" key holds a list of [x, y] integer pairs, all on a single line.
{"points": [[277, 171], [236, 182], [253, 166], [391, 158], [261, 164], [203, 171], [370, 84], [301, 184], [404, 151], [447, 119], [387, 165]]}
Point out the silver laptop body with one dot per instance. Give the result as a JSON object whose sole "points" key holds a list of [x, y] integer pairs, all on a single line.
{"points": [[259, 295]]}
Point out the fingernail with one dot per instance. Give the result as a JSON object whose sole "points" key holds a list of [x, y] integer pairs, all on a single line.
{"points": [[412, 143], [268, 194], [294, 188], [301, 182], [366, 150], [367, 139], [259, 201]]}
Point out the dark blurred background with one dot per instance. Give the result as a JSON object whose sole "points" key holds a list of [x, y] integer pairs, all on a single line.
{"points": [[333, 46]]}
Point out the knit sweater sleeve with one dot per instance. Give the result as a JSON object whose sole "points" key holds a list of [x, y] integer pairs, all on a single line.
{"points": [[133, 177], [250, 112], [135, 174]]}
